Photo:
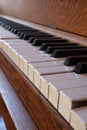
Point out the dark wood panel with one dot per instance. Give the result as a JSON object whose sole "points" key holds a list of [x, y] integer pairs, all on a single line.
{"points": [[38, 107], [68, 15]]}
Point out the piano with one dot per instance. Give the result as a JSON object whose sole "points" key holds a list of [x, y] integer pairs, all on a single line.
{"points": [[43, 61]]}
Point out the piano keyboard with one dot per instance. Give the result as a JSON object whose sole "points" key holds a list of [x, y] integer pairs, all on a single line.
{"points": [[52, 64]]}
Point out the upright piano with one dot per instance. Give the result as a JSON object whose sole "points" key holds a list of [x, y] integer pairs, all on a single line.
{"points": [[43, 65]]}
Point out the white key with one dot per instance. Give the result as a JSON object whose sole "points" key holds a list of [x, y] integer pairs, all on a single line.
{"points": [[33, 66], [48, 71], [25, 61], [4, 34], [72, 98], [79, 118], [46, 79], [56, 86]]}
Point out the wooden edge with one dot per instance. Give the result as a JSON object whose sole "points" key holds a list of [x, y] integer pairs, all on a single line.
{"points": [[6, 115]]}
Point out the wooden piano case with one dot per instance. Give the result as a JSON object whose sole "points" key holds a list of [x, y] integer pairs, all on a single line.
{"points": [[66, 18]]}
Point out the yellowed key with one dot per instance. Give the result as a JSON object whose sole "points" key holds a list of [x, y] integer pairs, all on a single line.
{"points": [[72, 98], [48, 71], [46, 79], [79, 118], [56, 86]]}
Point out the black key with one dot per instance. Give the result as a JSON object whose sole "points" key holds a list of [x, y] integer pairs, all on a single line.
{"points": [[13, 28], [13, 24], [30, 32], [69, 52], [16, 26], [21, 35], [73, 60], [40, 34], [15, 31], [81, 68], [3, 24], [8, 28], [45, 39], [23, 31], [45, 45], [62, 43], [39, 42], [50, 49], [31, 39]]}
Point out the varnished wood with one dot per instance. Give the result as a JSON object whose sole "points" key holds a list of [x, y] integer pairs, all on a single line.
{"points": [[68, 15], [5, 115], [12, 110], [40, 110]]}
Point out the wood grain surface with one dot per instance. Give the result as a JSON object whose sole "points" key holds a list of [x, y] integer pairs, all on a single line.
{"points": [[12, 109], [6, 115], [42, 113], [68, 15]]}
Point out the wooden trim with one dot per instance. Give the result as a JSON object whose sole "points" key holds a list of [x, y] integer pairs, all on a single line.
{"points": [[6, 115]]}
